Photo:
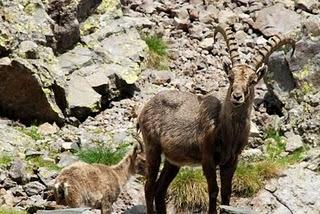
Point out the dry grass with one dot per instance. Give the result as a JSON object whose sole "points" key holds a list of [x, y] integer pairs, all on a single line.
{"points": [[189, 190]]}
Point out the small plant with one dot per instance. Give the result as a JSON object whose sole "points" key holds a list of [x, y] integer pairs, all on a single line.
{"points": [[158, 55], [103, 155], [189, 190], [32, 132], [5, 159], [4, 210], [38, 161]]}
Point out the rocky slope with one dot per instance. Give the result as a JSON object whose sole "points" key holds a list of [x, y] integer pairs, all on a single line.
{"points": [[82, 65]]}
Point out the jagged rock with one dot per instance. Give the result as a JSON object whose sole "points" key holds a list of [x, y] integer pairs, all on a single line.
{"points": [[66, 159], [68, 211], [279, 79], [6, 197], [293, 142], [207, 43], [28, 49], [235, 210], [308, 5], [17, 172], [312, 25], [47, 129], [270, 20], [295, 192], [67, 15], [81, 98], [34, 188], [161, 77], [26, 91]]}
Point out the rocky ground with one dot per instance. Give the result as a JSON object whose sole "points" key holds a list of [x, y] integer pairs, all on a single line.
{"points": [[80, 69]]}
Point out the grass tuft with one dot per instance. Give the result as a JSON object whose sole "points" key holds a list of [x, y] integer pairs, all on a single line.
{"points": [[32, 132], [5, 159], [189, 190], [158, 53], [103, 155], [4, 210], [38, 161]]}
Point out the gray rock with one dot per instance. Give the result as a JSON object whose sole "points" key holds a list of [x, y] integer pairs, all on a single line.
{"points": [[67, 15], [270, 20], [17, 171], [308, 5], [235, 210], [161, 77], [48, 129], [293, 142], [28, 49], [68, 211], [46, 176], [81, 98], [207, 43], [66, 159], [312, 25], [296, 192], [34, 188]]}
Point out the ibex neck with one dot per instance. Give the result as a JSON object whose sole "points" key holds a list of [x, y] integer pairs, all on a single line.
{"points": [[123, 170]]}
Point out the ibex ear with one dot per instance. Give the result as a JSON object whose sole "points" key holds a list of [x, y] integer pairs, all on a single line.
{"points": [[262, 70]]}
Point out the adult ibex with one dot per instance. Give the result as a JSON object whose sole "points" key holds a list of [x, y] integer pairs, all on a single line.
{"points": [[190, 130]]}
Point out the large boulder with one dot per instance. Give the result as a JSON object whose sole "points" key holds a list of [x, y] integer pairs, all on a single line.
{"points": [[270, 21]]}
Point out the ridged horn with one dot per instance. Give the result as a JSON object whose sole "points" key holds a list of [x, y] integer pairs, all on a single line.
{"points": [[228, 36], [275, 42], [139, 141]]}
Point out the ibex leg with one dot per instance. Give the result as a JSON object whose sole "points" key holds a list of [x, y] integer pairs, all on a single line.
{"points": [[168, 173], [209, 170], [226, 174], [153, 159]]}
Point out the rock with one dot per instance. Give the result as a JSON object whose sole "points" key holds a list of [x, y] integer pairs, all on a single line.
{"points": [[234, 210], [252, 154], [17, 172], [308, 5], [7, 198], [26, 91], [207, 43], [270, 20], [47, 176], [68, 211], [312, 25], [33, 203], [66, 159], [293, 142], [34, 188], [279, 79], [296, 192], [28, 49], [75, 59], [81, 98], [161, 77], [18, 191], [47, 129], [254, 130], [67, 15], [138, 209]]}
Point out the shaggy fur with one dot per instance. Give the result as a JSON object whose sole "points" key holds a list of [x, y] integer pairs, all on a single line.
{"points": [[96, 185]]}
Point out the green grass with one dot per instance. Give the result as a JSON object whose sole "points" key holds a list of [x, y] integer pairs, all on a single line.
{"points": [[158, 53], [5, 159], [11, 211], [189, 190], [103, 155], [32, 132], [38, 161]]}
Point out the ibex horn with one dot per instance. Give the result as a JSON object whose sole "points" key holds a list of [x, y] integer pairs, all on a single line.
{"points": [[228, 36], [275, 42], [139, 140]]}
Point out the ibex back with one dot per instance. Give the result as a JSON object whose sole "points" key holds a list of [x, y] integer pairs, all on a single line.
{"points": [[191, 130]]}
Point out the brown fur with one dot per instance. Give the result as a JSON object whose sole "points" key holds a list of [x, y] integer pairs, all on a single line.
{"points": [[192, 130], [96, 185]]}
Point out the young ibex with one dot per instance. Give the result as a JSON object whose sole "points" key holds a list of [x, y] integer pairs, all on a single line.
{"points": [[97, 185], [191, 130]]}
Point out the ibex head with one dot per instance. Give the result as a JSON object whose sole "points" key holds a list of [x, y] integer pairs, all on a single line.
{"points": [[244, 76]]}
